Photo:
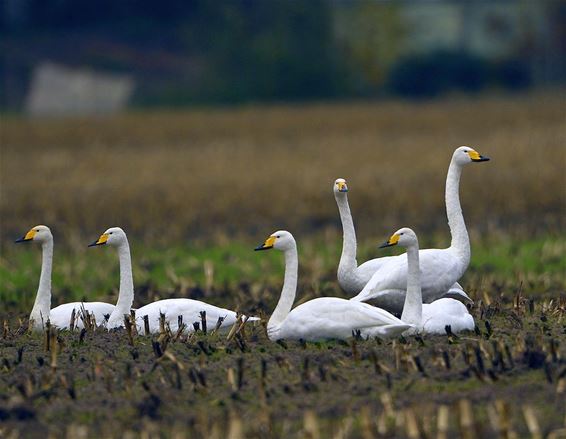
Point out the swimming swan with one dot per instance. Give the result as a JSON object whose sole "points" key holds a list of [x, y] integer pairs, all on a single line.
{"points": [[351, 277], [116, 237], [429, 318], [324, 317], [440, 268], [59, 316]]}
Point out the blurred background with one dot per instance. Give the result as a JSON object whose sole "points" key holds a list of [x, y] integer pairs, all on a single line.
{"points": [[178, 53], [196, 124]]}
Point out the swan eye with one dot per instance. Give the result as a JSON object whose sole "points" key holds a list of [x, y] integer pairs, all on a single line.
{"points": [[110, 233], [278, 236]]}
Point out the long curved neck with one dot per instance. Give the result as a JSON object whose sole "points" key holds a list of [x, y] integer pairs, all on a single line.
{"points": [[349, 246], [289, 290], [126, 293], [42, 305], [460, 240], [413, 308]]}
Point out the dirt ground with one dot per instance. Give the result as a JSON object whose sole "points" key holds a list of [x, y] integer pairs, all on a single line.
{"points": [[507, 377]]}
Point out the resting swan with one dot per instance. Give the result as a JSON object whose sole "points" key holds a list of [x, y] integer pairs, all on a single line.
{"points": [[351, 277], [429, 318], [440, 268], [188, 309], [59, 316], [116, 237], [324, 317]]}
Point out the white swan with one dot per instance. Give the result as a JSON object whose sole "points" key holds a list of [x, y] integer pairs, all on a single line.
{"points": [[59, 316], [324, 317], [189, 310], [440, 268], [429, 318], [351, 277], [116, 237]]}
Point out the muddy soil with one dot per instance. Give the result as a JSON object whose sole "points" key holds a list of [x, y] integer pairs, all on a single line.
{"points": [[507, 376]]}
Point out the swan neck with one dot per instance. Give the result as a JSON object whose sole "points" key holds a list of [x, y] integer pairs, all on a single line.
{"points": [[289, 290], [126, 293], [349, 246], [413, 308], [460, 240], [42, 305]]}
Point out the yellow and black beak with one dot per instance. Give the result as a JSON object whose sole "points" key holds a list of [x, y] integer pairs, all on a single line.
{"points": [[342, 186], [100, 241], [476, 157], [391, 242], [267, 244], [28, 236]]}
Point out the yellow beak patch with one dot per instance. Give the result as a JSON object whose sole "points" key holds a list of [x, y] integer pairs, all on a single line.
{"points": [[474, 155], [30, 235], [342, 187], [102, 240], [393, 240], [269, 242]]}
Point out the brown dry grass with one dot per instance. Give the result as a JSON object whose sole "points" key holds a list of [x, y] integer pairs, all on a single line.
{"points": [[196, 172]]}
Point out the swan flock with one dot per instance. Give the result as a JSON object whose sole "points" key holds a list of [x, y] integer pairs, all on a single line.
{"points": [[421, 287]]}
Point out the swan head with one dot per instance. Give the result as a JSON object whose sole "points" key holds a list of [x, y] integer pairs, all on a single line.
{"points": [[404, 237], [464, 155], [281, 240], [114, 236], [340, 186], [38, 233]]}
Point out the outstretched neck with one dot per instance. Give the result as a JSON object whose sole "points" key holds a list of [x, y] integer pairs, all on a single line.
{"points": [[42, 306], [413, 308], [460, 240], [126, 293], [349, 247], [289, 289]]}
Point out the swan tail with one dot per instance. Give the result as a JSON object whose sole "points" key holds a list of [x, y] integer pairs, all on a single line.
{"points": [[387, 331]]}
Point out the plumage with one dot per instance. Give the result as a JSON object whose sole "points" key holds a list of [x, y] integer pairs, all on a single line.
{"points": [[190, 311], [353, 278], [440, 268], [429, 318], [325, 317], [60, 316]]}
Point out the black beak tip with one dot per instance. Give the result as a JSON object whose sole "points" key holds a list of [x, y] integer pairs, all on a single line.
{"points": [[482, 159], [93, 244], [385, 244], [262, 247], [20, 240]]}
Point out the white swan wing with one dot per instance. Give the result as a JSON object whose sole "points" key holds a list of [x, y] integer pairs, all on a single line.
{"points": [[332, 317], [439, 270], [190, 311], [442, 312], [60, 316]]}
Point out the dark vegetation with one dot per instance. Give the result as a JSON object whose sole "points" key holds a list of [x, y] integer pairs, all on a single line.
{"points": [[203, 52]]}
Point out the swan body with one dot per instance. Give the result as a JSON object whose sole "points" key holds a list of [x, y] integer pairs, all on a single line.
{"points": [[353, 278], [59, 316], [324, 317], [190, 311], [440, 268], [429, 318]]}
